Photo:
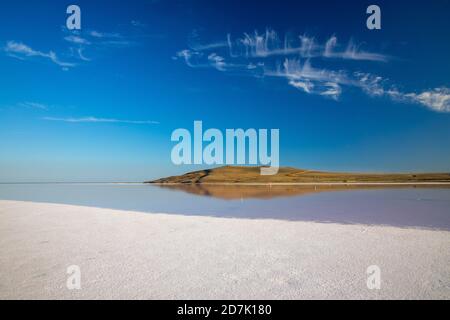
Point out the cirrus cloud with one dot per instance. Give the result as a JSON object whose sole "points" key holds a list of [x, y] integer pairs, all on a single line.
{"points": [[22, 51], [296, 59], [91, 119]]}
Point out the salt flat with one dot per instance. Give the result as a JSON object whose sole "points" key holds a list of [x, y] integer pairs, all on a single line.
{"points": [[124, 254]]}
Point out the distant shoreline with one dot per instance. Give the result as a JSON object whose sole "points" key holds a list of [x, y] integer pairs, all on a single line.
{"points": [[287, 176], [59, 182], [434, 183], [305, 183]]}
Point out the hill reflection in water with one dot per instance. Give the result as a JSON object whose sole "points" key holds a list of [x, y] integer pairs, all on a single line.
{"points": [[235, 192], [403, 206]]}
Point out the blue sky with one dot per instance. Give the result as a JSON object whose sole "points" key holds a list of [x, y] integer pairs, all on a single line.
{"points": [[100, 104]]}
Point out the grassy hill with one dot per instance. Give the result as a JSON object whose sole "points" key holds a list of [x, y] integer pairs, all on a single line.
{"points": [[236, 174]]}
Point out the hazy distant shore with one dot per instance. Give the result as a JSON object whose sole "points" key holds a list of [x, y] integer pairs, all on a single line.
{"points": [[293, 176], [313, 183], [124, 254]]}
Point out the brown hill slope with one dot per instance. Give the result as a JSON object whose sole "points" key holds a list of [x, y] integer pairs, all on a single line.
{"points": [[235, 174]]}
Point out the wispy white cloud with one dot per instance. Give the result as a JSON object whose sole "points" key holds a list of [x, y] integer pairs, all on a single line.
{"points": [[332, 90], [217, 61], [81, 55], [117, 43], [96, 38], [101, 35], [256, 55], [138, 24], [269, 44], [353, 53], [195, 44], [82, 46], [309, 79], [85, 45], [369, 83], [198, 59], [78, 43], [437, 99], [291, 58], [329, 46], [33, 105], [102, 40], [307, 86], [100, 120], [188, 56], [293, 69], [208, 46], [76, 39], [23, 51]]}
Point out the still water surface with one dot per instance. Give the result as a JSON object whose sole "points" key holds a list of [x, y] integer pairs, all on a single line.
{"points": [[404, 207]]}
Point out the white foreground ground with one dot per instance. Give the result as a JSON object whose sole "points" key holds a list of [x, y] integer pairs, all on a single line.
{"points": [[138, 256]]}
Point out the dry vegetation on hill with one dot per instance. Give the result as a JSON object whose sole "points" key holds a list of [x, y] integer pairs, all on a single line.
{"points": [[234, 174]]}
